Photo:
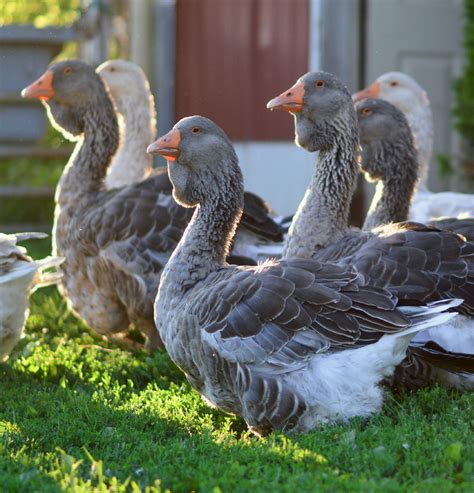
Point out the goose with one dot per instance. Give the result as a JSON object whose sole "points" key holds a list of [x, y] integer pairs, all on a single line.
{"points": [[135, 104], [20, 276], [399, 257], [115, 242], [287, 344], [406, 94], [325, 121], [389, 159], [134, 101]]}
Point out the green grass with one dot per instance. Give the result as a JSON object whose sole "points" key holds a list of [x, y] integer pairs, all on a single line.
{"points": [[78, 414]]}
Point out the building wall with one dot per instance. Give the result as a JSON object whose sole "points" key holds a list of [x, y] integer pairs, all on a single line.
{"points": [[422, 38], [232, 57]]}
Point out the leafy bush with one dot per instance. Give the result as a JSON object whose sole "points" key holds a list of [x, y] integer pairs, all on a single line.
{"points": [[40, 13], [464, 88]]}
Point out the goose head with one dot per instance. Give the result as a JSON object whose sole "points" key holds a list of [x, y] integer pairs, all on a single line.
{"points": [[319, 101], [397, 88], [126, 82], [202, 162], [384, 134], [69, 89]]}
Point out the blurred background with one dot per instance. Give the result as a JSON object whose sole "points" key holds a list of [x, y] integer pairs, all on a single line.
{"points": [[225, 59]]}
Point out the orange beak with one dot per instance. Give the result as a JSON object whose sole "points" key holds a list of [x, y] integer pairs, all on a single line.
{"points": [[41, 88], [372, 91], [291, 100], [167, 146]]}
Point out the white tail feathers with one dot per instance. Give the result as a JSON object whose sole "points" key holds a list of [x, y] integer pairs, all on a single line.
{"points": [[430, 315]]}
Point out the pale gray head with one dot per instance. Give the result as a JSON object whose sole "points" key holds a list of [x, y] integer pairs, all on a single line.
{"points": [[69, 89], [386, 140], [319, 101], [125, 80], [202, 163], [399, 89]]}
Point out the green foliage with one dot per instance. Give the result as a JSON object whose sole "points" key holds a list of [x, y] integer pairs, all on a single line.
{"points": [[82, 415], [464, 87], [445, 168], [31, 172], [40, 13]]}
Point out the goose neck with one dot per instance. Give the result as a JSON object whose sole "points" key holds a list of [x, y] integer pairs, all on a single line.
{"points": [[137, 134], [420, 119], [132, 163], [322, 217], [395, 190], [206, 241], [93, 153]]}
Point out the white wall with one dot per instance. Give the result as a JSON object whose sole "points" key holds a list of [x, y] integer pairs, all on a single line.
{"points": [[277, 171]]}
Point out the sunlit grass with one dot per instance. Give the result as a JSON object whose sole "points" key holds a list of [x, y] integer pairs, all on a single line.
{"points": [[78, 414]]}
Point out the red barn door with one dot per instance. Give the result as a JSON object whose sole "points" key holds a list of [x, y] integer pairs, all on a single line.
{"points": [[232, 56]]}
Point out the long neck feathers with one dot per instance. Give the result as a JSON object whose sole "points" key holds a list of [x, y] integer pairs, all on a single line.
{"points": [[396, 163], [206, 241], [132, 163], [420, 119], [92, 155], [323, 215]]}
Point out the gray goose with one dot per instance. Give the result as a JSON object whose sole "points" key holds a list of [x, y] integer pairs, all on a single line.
{"points": [[415, 262], [287, 344], [436, 263], [389, 159], [409, 97], [262, 236], [20, 276], [115, 242]]}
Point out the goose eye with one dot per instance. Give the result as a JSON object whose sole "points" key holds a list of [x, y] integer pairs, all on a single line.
{"points": [[111, 69], [195, 130], [319, 83], [67, 71], [366, 111], [394, 83]]}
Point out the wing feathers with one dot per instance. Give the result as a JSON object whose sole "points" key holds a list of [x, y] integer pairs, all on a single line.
{"points": [[273, 315]]}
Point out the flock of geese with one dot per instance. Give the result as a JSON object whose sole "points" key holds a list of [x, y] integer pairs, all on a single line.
{"points": [[288, 329]]}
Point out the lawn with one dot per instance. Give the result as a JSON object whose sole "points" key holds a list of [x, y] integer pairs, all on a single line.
{"points": [[79, 414]]}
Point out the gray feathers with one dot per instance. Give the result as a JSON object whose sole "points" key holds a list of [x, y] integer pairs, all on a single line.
{"points": [[276, 342]]}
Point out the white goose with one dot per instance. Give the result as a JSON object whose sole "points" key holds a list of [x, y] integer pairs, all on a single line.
{"points": [[20, 276], [136, 113], [406, 94]]}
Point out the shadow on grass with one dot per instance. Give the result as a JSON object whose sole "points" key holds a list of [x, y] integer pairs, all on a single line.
{"points": [[77, 410], [113, 434], [158, 434]]}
